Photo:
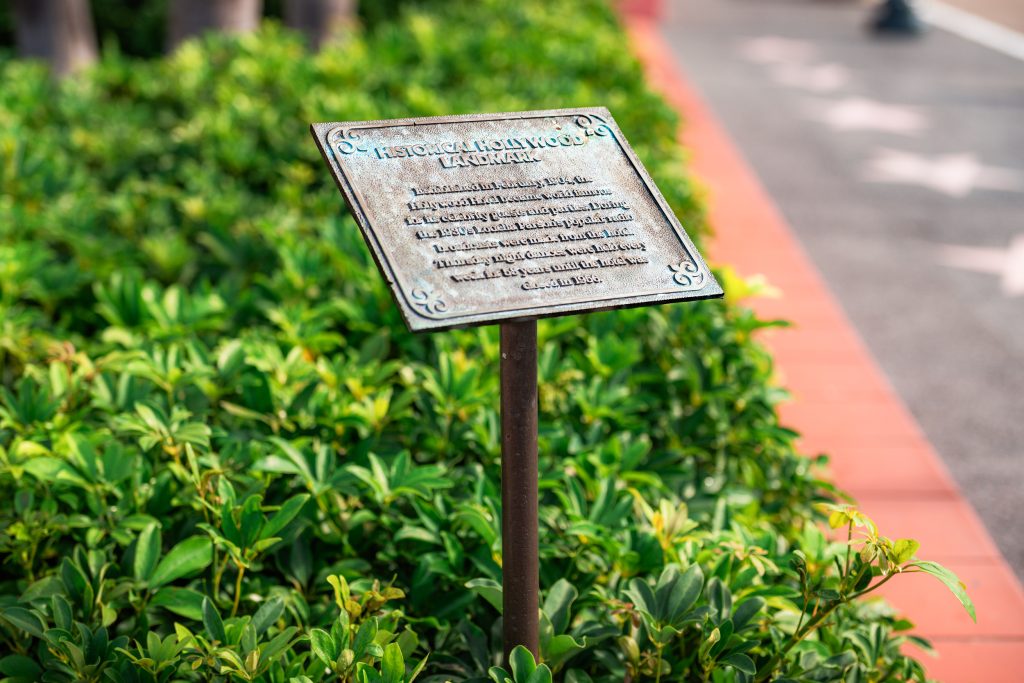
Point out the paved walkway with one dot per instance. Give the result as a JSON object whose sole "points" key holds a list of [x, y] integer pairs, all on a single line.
{"points": [[900, 166], [845, 406]]}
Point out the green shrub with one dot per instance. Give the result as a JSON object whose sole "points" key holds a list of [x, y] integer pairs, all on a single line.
{"points": [[222, 458]]}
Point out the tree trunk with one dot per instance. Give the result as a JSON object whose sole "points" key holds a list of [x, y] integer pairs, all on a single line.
{"points": [[58, 31], [193, 17], [320, 20]]}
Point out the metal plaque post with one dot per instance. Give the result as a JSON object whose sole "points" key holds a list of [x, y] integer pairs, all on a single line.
{"points": [[503, 218], [519, 524]]}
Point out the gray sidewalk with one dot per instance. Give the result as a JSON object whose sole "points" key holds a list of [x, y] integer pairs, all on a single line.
{"points": [[900, 164]]}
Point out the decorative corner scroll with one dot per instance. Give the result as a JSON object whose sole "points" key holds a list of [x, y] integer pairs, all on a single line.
{"points": [[345, 141], [687, 274], [592, 125], [429, 301]]}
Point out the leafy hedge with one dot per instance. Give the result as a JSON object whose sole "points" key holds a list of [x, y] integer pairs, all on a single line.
{"points": [[222, 458]]}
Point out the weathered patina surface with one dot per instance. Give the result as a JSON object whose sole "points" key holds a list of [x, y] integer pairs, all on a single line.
{"points": [[495, 217]]}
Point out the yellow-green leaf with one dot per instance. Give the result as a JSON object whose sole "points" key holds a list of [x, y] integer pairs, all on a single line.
{"points": [[903, 550]]}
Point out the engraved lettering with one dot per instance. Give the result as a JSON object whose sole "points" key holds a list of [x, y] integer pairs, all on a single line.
{"points": [[540, 212]]}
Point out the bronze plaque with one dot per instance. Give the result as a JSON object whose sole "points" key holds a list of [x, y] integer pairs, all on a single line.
{"points": [[493, 217]]}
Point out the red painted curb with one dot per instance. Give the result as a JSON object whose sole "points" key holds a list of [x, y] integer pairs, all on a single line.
{"points": [[844, 405], [644, 9]]}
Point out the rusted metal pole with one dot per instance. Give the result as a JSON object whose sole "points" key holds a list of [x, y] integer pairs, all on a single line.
{"points": [[519, 562]]}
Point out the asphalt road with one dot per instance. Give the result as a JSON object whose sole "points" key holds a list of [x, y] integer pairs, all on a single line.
{"points": [[900, 165]]}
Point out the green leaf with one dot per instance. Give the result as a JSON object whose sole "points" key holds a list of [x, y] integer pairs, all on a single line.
{"points": [[295, 463], [746, 611], [61, 612], [577, 676], [323, 646], [365, 673], [558, 603], [21, 618], [47, 469], [393, 665], [522, 663], [147, 552], [719, 599], [642, 596], [286, 514], [560, 648], [725, 631], [75, 581], [666, 582], [416, 671], [684, 593], [184, 602], [278, 644], [499, 675], [267, 614], [212, 621], [489, 590], [188, 557], [741, 662], [43, 588], [250, 521], [542, 674], [364, 636], [951, 581], [21, 667]]}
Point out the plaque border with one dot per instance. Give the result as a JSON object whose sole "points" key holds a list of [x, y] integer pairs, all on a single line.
{"points": [[423, 321]]}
